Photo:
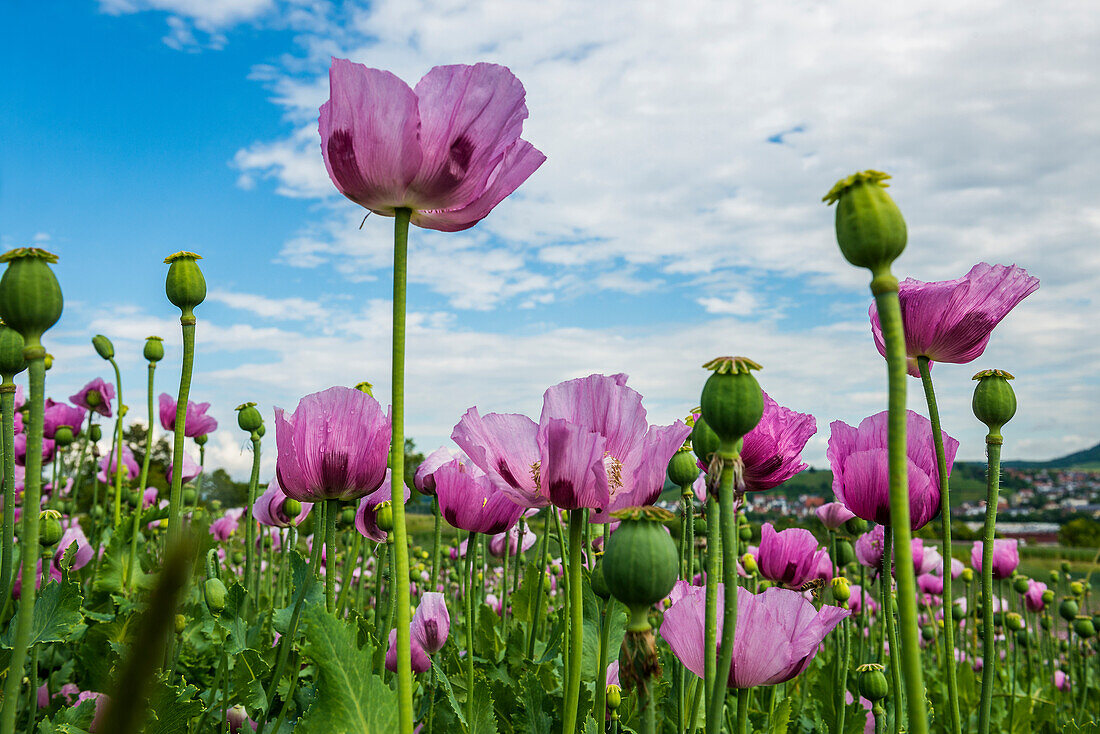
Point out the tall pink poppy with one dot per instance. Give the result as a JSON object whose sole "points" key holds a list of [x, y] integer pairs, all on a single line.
{"points": [[197, 422], [97, 396], [431, 623], [270, 508], [861, 481], [772, 451], [108, 464], [469, 500], [952, 320], [366, 514], [450, 149], [61, 414], [790, 557]]}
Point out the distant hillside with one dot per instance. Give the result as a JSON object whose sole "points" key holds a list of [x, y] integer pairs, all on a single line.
{"points": [[1086, 460]]}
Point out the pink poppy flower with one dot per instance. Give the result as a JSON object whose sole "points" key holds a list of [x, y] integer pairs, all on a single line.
{"points": [[421, 663], [366, 515], [108, 465], [269, 508], [790, 557], [96, 395], [833, 514], [469, 500], [191, 469], [1033, 597], [1006, 557], [196, 422], [431, 623], [60, 414], [227, 524]]}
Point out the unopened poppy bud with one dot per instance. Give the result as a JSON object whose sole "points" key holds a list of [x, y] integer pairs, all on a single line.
{"points": [[214, 593], [238, 557], [927, 633], [599, 584], [1068, 609], [869, 227], [744, 533], [967, 575], [30, 296], [11, 352], [95, 432], [732, 401], [748, 562], [49, 528], [103, 346], [682, 469], [249, 418], [1076, 588], [384, 516], [1084, 627], [154, 349], [700, 528], [845, 554], [366, 387], [181, 624], [1014, 621], [292, 507], [47, 361], [347, 516], [185, 284], [1020, 585], [856, 526], [1054, 578], [1065, 567], [842, 589], [957, 612], [1048, 596], [201, 439], [994, 401], [189, 496], [63, 435], [872, 682], [614, 697]]}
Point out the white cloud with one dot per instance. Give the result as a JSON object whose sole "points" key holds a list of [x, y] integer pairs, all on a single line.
{"points": [[739, 304]]}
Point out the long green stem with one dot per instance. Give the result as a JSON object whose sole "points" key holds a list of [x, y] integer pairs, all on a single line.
{"points": [[140, 506], [599, 710], [250, 524], [174, 516], [350, 561], [576, 623], [728, 518], [743, 710], [993, 485], [397, 464], [845, 651], [28, 537], [889, 600], [885, 288], [471, 574], [7, 405], [332, 509], [118, 445], [544, 549], [945, 547], [437, 533], [710, 623]]}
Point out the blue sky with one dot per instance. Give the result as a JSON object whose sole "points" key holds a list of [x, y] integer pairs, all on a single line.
{"points": [[678, 215]]}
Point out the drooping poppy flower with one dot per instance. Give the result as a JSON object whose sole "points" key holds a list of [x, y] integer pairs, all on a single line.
{"points": [[1006, 557], [269, 508], [778, 632], [431, 623], [951, 320], [366, 514], [861, 481], [833, 514], [227, 524], [507, 542], [97, 395], [469, 500], [196, 423], [61, 414], [449, 150], [592, 447], [334, 446], [790, 557]]}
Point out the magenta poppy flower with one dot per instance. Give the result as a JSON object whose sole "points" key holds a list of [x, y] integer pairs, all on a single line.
{"points": [[61, 414], [20, 449], [861, 481], [450, 149], [227, 524], [833, 514], [108, 465], [772, 451], [270, 508], [509, 541], [869, 548], [951, 320], [1060, 680], [366, 514], [196, 422], [778, 633], [84, 553], [1006, 557], [592, 447], [421, 663], [190, 469], [96, 395], [1033, 597], [424, 478], [930, 583], [237, 716], [334, 446], [431, 623], [926, 559], [790, 557], [149, 497], [469, 500], [860, 599]]}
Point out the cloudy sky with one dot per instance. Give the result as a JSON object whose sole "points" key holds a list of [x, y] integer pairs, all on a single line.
{"points": [[678, 216]]}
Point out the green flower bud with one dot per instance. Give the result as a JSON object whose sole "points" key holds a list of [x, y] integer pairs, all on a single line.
{"points": [[1068, 609], [641, 562], [856, 526], [1065, 568], [292, 507], [704, 441], [682, 469], [872, 682], [103, 346], [201, 439], [248, 418], [1048, 596], [1020, 585], [347, 516], [700, 528], [869, 227], [926, 633], [30, 296], [181, 624], [1076, 588], [11, 352], [366, 387], [384, 516], [214, 592], [957, 612], [189, 496], [1084, 627], [185, 285], [1014, 621], [238, 557], [967, 575], [63, 436], [49, 528], [1054, 578], [732, 401], [95, 432], [842, 590], [154, 349], [994, 401], [845, 554], [748, 562], [614, 697]]}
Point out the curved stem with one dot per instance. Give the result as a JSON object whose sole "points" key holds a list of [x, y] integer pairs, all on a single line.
{"points": [[885, 288], [118, 444], [7, 406], [993, 485], [250, 524], [28, 537], [727, 508], [576, 623], [945, 547], [174, 519]]}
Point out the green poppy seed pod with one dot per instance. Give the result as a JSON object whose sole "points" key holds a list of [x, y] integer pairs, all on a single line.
{"points": [[599, 584], [154, 349], [103, 346], [869, 227], [1063, 645], [845, 554], [1054, 578], [926, 633], [1014, 621], [189, 496], [1048, 596], [201, 439], [994, 400], [748, 562], [11, 352], [1084, 627], [614, 697], [856, 526], [185, 285], [682, 468], [95, 432], [384, 516], [704, 441], [641, 562], [1068, 609], [63, 436], [872, 682], [47, 361], [366, 387], [49, 528], [30, 296], [744, 533], [1020, 585], [957, 612], [732, 401], [214, 593], [842, 589], [292, 507], [181, 624], [1065, 568], [347, 516], [1076, 588], [238, 557], [248, 418], [967, 575], [1044, 621]]}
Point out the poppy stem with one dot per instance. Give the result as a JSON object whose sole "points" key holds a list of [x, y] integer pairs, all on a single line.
{"points": [[118, 444], [187, 324], [727, 508], [884, 286], [332, 509], [743, 711], [889, 600], [471, 580], [250, 525], [140, 506], [7, 545], [576, 623], [710, 625], [437, 533], [993, 488], [945, 548], [397, 465]]}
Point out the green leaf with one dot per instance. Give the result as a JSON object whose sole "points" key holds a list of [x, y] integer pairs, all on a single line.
{"points": [[482, 720], [72, 720], [591, 643], [781, 719], [116, 562], [531, 715], [487, 640], [249, 671], [56, 614], [232, 619], [302, 578], [349, 698], [171, 709], [523, 601]]}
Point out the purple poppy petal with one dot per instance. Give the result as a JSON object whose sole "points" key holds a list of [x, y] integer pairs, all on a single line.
{"points": [[572, 468], [504, 446]]}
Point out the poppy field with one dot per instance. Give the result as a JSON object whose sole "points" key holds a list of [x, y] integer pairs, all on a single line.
{"points": [[584, 570]]}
